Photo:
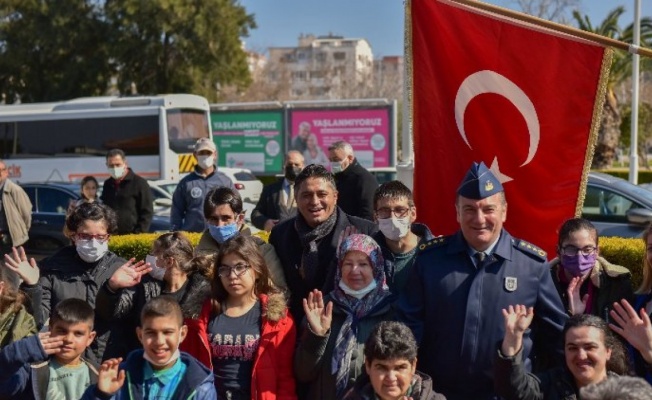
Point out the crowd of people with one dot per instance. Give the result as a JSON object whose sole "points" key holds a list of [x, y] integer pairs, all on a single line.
{"points": [[334, 306]]}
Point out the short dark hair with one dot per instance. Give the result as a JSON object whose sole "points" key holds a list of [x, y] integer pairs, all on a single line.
{"points": [[220, 196], [73, 311], [393, 190], [161, 306], [316, 171], [116, 152], [390, 340], [91, 212], [618, 388], [573, 225]]}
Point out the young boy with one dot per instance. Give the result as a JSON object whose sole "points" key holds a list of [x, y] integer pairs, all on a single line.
{"points": [[390, 359], [50, 365], [158, 371]]}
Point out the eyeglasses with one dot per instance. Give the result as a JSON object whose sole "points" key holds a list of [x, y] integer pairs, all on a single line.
{"points": [[387, 212], [224, 270], [86, 236], [572, 250]]}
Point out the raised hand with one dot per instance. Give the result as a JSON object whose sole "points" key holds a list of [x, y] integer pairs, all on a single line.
{"points": [[17, 262], [51, 344], [129, 274], [319, 317], [637, 330], [110, 380], [576, 305], [517, 319]]}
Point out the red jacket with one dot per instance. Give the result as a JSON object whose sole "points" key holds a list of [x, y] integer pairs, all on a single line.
{"points": [[272, 375]]}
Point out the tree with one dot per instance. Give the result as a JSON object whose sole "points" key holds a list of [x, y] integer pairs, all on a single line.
{"points": [[167, 46], [644, 130], [621, 69], [552, 10], [52, 50]]}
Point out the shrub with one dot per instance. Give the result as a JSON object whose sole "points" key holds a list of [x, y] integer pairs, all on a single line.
{"points": [[626, 252]]}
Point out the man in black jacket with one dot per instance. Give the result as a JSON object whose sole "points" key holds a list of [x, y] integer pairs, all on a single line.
{"points": [[127, 194], [307, 244], [354, 182]]}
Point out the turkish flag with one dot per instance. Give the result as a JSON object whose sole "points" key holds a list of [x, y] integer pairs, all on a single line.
{"points": [[525, 100]]}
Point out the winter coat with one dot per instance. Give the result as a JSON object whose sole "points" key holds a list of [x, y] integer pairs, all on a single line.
{"points": [[356, 187], [269, 206], [285, 239], [187, 213], [25, 370], [124, 307], [613, 283], [271, 377], [132, 202], [208, 245], [196, 384], [312, 358], [421, 389], [18, 212], [63, 276]]}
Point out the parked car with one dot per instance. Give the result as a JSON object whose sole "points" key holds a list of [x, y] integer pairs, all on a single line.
{"points": [[247, 184], [50, 201], [616, 207], [162, 191]]}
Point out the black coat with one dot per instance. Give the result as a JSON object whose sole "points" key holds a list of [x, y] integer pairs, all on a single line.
{"points": [[268, 206], [285, 239], [356, 187], [132, 201]]}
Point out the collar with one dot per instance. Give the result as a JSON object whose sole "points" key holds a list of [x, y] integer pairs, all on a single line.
{"points": [[286, 183], [502, 248], [163, 376]]}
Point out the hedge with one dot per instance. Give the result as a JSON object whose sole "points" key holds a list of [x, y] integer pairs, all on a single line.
{"points": [[644, 175]]}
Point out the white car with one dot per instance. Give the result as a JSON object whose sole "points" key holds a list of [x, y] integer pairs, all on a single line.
{"points": [[247, 184]]}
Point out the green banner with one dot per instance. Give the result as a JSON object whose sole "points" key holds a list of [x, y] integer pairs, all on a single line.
{"points": [[250, 139]]}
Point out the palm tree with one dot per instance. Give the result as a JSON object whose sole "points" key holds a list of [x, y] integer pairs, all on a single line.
{"points": [[621, 70]]}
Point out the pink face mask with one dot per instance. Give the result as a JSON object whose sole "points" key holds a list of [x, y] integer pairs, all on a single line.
{"points": [[578, 264]]}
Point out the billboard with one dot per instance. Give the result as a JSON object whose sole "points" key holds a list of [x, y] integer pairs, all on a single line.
{"points": [[250, 139], [368, 130]]}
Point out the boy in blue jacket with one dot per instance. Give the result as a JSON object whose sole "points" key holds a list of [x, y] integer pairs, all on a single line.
{"points": [[50, 365], [159, 370]]}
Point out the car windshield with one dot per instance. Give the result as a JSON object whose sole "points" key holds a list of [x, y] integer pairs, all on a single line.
{"points": [[168, 187], [245, 176]]}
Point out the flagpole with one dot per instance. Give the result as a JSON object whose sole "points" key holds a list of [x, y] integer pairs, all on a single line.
{"points": [[603, 40], [633, 150]]}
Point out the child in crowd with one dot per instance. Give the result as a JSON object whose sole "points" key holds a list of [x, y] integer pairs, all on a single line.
{"points": [[15, 322], [159, 370], [89, 187], [50, 365]]}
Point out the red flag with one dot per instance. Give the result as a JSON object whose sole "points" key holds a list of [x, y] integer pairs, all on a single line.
{"points": [[524, 100]]}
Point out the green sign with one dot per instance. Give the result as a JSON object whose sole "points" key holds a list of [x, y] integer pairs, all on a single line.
{"points": [[249, 139]]}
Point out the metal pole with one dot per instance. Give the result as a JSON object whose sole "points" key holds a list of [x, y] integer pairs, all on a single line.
{"points": [[633, 151]]}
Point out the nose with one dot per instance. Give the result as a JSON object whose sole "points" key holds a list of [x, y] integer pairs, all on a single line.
{"points": [[581, 354]]}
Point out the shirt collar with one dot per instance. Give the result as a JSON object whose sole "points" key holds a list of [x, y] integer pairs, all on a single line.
{"points": [[163, 376]]}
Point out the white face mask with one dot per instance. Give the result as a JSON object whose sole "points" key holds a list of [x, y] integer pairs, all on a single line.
{"points": [[174, 357], [358, 294], [394, 228], [117, 172], [91, 250], [336, 167], [156, 272], [205, 162]]}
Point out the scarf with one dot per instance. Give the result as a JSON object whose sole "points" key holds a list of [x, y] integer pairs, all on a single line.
{"points": [[355, 309], [310, 238]]}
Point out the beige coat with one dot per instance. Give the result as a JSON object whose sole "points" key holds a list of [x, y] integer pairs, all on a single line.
{"points": [[18, 211]]}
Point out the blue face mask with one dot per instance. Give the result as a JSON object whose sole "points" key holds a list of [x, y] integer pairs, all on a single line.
{"points": [[223, 233]]}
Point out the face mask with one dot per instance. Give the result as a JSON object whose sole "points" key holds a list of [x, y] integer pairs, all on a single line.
{"points": [[223, 233], [156, 272], [172, 358], [91, 250], [117, 172], [358, 294], [291, 172], [336, 167], [578, 264], [205, 162], [394, 228]]}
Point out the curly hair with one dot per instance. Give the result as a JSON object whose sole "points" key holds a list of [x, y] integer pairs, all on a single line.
{"points": [[91, 212]]}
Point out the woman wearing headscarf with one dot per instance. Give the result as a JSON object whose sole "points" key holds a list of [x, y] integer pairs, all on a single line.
{"points": [[329, 357]]}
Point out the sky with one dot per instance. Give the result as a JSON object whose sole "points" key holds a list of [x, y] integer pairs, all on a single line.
{"points": [[280, 22]]}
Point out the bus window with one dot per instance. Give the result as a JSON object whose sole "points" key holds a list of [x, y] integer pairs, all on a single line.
{"points": [[185, 127]]}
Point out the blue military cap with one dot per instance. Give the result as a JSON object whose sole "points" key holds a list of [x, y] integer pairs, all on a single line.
{"points": [[479, 183]]}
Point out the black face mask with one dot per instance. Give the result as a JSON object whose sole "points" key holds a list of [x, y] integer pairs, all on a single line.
{"points": [[291, 172]]}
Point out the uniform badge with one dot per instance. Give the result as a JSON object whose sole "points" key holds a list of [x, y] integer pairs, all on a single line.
{"points": [[195, 192], [510, 283], [489, 186]]}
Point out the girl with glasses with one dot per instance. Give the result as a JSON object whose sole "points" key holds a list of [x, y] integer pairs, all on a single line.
{"points": [[185, 278], [245, 333], [586, 282]]}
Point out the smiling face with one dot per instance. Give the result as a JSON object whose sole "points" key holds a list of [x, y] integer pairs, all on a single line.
{"points": [[586, 354], [317, 200], [160, 337], [482, 220], [238, 286], [76, 337], [391, 379], [357, 271]]}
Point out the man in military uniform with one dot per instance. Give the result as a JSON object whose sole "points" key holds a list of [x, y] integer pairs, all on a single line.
{"points": [[460, 284]]}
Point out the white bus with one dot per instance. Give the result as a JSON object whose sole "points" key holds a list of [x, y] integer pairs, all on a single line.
{"points": [[68, 140]]}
